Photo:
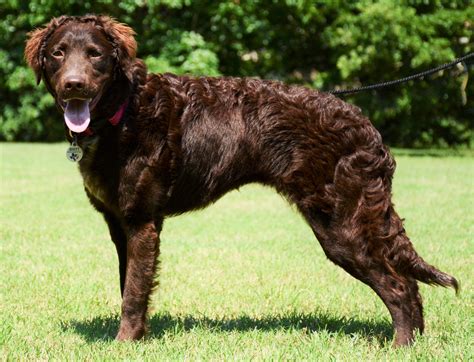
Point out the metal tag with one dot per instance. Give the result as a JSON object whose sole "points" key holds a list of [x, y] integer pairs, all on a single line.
{"points": [[74, 153]]}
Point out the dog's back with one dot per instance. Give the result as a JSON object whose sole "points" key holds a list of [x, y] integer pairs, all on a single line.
{"points": [[171, 144]]}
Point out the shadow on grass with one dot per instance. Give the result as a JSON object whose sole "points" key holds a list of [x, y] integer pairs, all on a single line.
{"points": [[105, 328]]}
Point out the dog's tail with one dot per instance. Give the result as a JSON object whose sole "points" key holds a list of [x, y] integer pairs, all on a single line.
{"points": [[409, 262], [428, 274], [404, 258]]}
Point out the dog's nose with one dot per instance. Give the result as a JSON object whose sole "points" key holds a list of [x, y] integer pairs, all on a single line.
{"points": [[74, 83]]}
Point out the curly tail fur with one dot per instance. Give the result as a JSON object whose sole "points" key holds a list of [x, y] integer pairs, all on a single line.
{"points": [[407, 261], [428, 274]]}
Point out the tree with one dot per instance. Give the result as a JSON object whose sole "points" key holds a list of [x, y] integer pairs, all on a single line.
{"points": [[322, 44]]}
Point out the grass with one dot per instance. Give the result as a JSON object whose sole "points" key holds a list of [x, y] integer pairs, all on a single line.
{"points": [[243, 279]]}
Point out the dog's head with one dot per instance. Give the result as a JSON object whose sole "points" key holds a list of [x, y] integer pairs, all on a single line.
{"points": [[79, 58]]}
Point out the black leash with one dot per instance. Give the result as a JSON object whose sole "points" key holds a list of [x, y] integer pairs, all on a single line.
{"points": [[403, 80]]}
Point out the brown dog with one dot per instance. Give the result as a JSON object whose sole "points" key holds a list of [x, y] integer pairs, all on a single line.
{"points": [[158, 145]]}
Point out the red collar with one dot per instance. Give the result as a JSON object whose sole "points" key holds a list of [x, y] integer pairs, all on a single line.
{"points": [[114, 120], [117, 117]]}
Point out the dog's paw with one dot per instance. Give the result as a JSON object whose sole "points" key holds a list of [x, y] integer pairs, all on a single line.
{"points": [[127, 333]]}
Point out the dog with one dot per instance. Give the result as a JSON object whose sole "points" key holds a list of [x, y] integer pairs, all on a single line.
{"points": [[150, 146]]}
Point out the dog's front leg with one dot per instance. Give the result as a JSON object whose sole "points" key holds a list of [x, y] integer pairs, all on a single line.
{"points": [[142, 254], [120, 240]]}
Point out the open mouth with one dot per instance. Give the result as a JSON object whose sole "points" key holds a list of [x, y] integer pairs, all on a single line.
{"points": [[77, 112]]}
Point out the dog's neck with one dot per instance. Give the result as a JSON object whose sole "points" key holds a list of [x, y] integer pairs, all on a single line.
{"points": [[121, 89], [113, 98]]}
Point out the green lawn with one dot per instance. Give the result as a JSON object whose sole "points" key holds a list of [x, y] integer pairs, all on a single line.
{"points": [[243, 279]]}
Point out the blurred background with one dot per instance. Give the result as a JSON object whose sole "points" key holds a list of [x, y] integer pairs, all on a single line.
{"points": [[320, 44]]}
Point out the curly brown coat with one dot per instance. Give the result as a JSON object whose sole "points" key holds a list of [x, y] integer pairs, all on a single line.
{"points": [[185, 141]]}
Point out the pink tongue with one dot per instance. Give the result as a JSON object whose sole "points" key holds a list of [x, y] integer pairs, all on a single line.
{"points": [[77, 115]]}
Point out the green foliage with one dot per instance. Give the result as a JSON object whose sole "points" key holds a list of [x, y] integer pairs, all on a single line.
{"points": [[323, 44], [184, 52], [381, 41]]}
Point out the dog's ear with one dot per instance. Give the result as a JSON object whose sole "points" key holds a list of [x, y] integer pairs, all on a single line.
{"points": [[126, 46], [32, 51]]}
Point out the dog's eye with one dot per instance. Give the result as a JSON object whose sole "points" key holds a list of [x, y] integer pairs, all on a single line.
{"points": [[94, 53], [58, 53]]}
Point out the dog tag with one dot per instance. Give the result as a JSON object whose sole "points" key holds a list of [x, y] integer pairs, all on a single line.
{"points": [[74, 152]]}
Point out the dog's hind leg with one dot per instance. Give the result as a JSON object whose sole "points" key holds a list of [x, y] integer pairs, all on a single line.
{"points": [[364, 235]]}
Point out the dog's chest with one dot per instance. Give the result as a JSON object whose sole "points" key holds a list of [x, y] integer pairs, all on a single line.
{"points": [[94, 187], [96, 175]]}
